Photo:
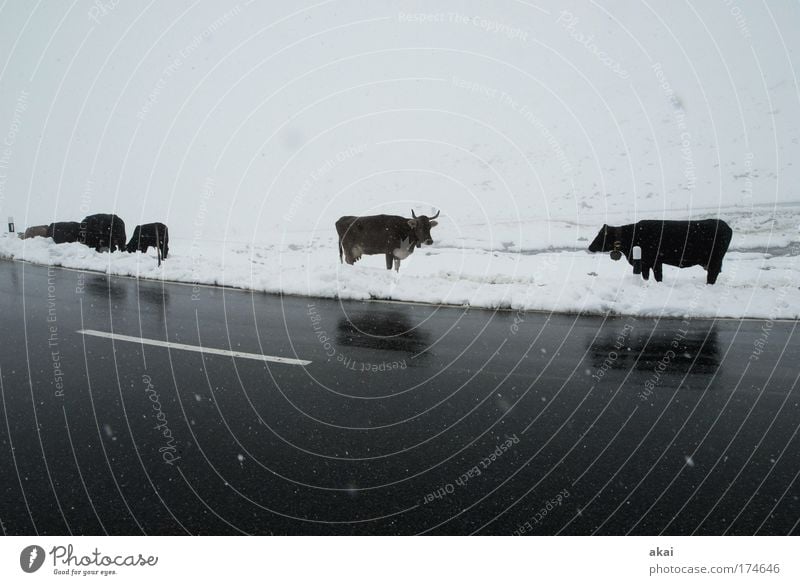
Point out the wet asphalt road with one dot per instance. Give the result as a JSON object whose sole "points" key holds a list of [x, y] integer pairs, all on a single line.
{"points": [[409, 419]]}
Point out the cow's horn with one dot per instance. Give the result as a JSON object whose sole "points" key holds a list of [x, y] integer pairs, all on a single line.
{"points": [[437, 214], [414, 215]]}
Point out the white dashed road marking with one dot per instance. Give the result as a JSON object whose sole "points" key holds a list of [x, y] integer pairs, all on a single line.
{"points": [[196, 348]]}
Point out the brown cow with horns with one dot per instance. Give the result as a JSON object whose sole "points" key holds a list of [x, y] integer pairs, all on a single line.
{"points": [[392, 235]]}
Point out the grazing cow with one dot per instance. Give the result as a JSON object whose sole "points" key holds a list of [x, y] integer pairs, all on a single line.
{"points": [[64, 232], [103, 231], [150, 234], [677, 243], [35, 231], [392, 235]]}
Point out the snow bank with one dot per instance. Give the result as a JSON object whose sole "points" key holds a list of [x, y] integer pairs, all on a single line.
{"points": [[504, 272]]}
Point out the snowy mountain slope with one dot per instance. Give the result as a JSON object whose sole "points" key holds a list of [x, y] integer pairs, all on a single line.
{"points": [[252, 126]]}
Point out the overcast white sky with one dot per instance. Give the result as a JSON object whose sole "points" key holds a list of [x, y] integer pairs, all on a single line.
{"points": [[240, 117]]}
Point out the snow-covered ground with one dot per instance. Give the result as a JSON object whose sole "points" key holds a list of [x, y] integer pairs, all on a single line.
{"points": [[249, 127], [525, 266]]}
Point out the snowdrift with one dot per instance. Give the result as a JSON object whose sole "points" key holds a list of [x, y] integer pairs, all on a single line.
{"points": [[759, 278]]}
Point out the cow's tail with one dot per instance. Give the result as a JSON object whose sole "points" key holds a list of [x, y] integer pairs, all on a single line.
{"points": [[339, 237], [159, 250]]}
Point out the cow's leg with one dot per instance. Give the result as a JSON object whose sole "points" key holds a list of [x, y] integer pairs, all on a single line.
{"points": [[657, 272], [350, 255], [397, 264], [389, 261], [645, 272], [714, 268]]}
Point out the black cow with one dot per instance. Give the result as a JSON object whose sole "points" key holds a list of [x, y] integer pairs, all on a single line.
{"points": [[64, 232], [103, 231], [150, 234], [392, 235], [677, 243]]}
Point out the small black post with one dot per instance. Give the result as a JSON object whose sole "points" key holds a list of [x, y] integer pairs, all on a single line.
{"points": [[10, 224]]}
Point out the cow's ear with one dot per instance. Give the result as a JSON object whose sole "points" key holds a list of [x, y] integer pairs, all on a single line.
{"points": [[412, 223], [434, 223]]}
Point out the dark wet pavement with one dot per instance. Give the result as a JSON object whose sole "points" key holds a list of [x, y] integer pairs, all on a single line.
{"points": [[409, 419]]}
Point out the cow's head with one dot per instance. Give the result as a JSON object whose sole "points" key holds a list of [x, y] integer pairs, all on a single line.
{"points": [[607, 240], [422, 225]]}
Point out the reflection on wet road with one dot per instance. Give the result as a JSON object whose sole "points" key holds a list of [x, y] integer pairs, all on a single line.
{"points": [[409, 419]]}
